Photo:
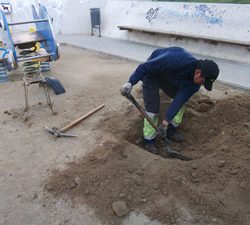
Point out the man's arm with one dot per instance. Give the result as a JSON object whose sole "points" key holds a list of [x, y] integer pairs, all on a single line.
{"points": [[181, 97]]}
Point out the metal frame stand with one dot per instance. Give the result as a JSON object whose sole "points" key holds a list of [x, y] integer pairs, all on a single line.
{"points": [[27, 81]]}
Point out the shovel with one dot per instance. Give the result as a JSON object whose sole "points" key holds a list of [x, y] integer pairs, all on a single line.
{"points": [[168, 150]]}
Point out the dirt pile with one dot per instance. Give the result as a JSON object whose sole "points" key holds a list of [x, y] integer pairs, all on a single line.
{"points": [[211, 189]]}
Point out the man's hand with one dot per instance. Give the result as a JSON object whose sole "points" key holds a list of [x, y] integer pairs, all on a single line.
{"points": [[126, 89], [163, 128]]}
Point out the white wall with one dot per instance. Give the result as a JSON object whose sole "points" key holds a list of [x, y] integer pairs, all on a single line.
{"points": [[227, 21], [69, 16], [223, 21]]}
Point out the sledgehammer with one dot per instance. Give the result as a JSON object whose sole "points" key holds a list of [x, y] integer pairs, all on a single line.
{"points": [[168, 150], [60, 132]]}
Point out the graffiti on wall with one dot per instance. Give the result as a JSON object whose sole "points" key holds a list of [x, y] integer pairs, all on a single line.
{"points": [[152, 14], [202, 12], [211, 17]]}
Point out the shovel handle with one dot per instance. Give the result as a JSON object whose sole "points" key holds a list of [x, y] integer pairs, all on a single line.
{"points": [[139, 107], [73, 123]]}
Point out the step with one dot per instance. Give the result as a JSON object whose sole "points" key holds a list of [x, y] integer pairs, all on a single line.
{"points": [[20, 39]]}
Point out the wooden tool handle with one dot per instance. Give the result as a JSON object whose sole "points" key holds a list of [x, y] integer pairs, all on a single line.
{"points": [[73, 123]]}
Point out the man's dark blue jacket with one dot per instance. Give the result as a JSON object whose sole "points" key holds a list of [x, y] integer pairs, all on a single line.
{"points": [[177, 66]]}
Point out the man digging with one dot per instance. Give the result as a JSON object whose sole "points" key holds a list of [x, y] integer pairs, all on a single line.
{"points": [[179, 75]]}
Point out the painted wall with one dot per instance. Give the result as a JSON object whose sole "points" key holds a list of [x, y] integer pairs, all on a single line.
{"points": [[227, 21]]}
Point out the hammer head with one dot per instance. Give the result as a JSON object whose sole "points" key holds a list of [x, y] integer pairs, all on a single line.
{"points": [[57, 133]]}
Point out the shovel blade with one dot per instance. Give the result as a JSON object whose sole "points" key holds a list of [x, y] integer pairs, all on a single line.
{"points": [[175, 154]]}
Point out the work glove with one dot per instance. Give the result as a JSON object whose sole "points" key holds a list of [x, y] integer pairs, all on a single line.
{"points": [[164, 130], [126, 89]]}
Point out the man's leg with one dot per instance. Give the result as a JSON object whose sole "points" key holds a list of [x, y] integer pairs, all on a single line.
{"points": [[176, 121], [172, 134], [152, 105]]}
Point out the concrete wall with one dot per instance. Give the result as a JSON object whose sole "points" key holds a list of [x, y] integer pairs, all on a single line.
{"points": [[221, 21], [227, 21]]}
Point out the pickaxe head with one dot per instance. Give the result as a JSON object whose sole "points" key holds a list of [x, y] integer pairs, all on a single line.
{"points": [[57, 133]]}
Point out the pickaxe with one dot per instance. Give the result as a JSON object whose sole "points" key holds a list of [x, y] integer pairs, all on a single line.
{"points": [[60, 132], [168, 150]]}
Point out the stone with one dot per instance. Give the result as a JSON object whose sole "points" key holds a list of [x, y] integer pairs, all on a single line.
{"points": [[35, 196], [122, 195], [221, 163], [77, 181], [194, 166], [124, 154], [234, 172], [247, 125], [14, 116], [120, 208], [86, 192], [73, 185], [140, 172]]}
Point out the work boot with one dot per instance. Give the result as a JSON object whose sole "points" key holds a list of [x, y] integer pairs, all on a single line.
{"points": [[149, 145], [173, 135]]}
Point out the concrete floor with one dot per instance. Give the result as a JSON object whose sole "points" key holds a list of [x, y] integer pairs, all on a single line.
{"points": [[232, 73]]}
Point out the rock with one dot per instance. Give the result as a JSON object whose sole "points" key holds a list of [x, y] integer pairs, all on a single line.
{"points": [[120, 208], [86, 192], [35, 196], [122, 195], [234, 172], [73, 185], [221, 163], [140, 172], [242, 184], [92, 158], [14, 116], [77, 181], [194, 166], [124, 154], [247, 125], [194, 175], [49, 188], [195, 179]]}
